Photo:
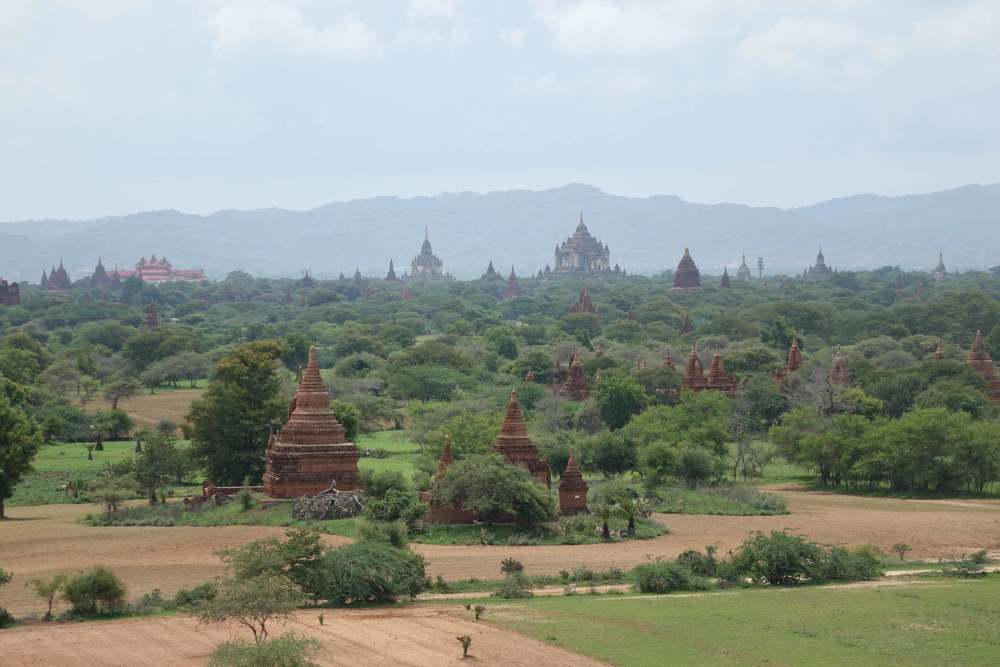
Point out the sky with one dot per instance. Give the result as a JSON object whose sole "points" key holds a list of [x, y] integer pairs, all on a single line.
{"points": [[115, 106]]}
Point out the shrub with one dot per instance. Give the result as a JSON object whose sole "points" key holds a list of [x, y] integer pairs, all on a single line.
{"points": [[48, 589], [702, 564], [514, 587], [394, 533], [6, 618], [664, 577], [511, 566], [189, 597], [253, 602], [778, 558], [395, 505], [96, 591], [285, 651], [843, 565], [369, 572], [492, 488]]}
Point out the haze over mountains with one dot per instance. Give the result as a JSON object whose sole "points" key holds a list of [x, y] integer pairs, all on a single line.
{"points": [[520, 227]]}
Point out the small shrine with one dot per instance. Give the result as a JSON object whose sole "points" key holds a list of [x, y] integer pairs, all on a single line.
{"points": [[572, 489], [695, 378], [839, 375], [792, 365], [979, 358], [513, 289], [572, 383], [584, 304], [516, 446]]}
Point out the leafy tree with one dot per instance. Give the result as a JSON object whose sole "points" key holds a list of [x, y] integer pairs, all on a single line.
{"points": [[349, 417], [96, 591], [48, 590], [19, 442], [610, 454], [253, 602], [121, 388], [470, 433], [369, 571], [229, 425], [159, 463], [491, 488], [619, 396]]}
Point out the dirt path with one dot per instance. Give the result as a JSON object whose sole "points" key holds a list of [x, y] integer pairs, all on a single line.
{"points": [[416, 637], [43, 540]]}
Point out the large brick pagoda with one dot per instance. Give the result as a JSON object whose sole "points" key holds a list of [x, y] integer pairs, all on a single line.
{"points": [[980, 359], [687, 276], [515, 445], [311, 452]]}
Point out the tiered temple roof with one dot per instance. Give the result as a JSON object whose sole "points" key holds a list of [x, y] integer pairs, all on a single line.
{"points": [[725, 278], [939, 271], [687, 277], [426, 265], [516, 446], [391, 274], [582, 253], [572, 488], [100, 277], [10, 293], [792, 365], [491, 273], [573, 383], [839, 374], [584, 304], [819, 268], [308, 282], [686, 326], [311, 453], [58, 278], [695, 378], [980, 359], [513, 289], [743, 273], [160, 270]]}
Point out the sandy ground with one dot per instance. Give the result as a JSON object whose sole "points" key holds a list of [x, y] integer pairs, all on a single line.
{"points": [[418, 637], [43, 540]]}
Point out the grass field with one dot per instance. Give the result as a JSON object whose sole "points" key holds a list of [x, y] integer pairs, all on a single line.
{"points": [[930, 622]]}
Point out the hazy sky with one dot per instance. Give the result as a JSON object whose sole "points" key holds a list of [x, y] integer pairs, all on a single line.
{"points": [[113, 106]]}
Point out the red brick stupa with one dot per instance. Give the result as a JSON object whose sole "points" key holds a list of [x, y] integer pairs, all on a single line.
{"points": [[516, 446], [792, 365], [716, 380], [311, 453], [687, 277], [574, 384], [572, 488], [839, 374], [584, 304], [513, 289], [980, 359]]}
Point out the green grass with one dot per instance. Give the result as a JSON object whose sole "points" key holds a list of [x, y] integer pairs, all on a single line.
{"points": [[736, 501], [935, 622], [403, 453]]}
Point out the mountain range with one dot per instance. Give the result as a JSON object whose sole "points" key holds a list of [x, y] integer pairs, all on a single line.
{"points": [[521, 228]]}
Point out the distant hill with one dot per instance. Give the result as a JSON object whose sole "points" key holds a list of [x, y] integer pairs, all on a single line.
{"points": [[520, 227]]}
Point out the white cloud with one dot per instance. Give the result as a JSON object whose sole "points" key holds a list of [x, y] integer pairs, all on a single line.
{"points": [[431, 22], [515, 37], [788, 42], [627, 26], [243, 25], [606, 82], [977, 23]]}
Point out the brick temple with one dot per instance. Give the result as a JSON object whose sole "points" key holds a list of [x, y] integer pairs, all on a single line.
{"points": [[570, 382], [793, 364], [572, 488], [980, 359], [10, 293], [582, 254], [584, 304], [696, 379], [513, 289], [687, 276], [427, 265], [516, 446], [311, 452], [839, 375]]}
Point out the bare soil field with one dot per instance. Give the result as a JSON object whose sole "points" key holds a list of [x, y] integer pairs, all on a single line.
{"points": [[150, 409], [47, 539], [416, 636]]}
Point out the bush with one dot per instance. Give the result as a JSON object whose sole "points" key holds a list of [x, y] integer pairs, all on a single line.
{"points": [[664, 577], [189, 597], [702, 564], [395, 505], [97, 591], [843, 565], [493, 488], [368, 571], [514, 587], [393, 533], [778, 558], [6, 618], [285, 651]]}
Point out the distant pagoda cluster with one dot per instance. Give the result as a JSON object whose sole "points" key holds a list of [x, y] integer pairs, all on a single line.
{"points": [[153, 270]]}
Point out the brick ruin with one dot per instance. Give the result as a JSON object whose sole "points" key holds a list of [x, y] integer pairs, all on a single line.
{"points": [[839, 374], [687, 277], [513, 289], [572, 489], [10, 293], [570, 382], [980, 359], [695, 378], [311, 452], [793, 364], [584, 304], [513, 443]]}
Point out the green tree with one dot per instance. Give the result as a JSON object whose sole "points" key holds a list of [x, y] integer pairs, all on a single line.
{"points": [[619, 396], [19, 442], [121, 388], [159, 463], [349, 417], [230, 424], [490, 487], [48, 589], [252, 602]]}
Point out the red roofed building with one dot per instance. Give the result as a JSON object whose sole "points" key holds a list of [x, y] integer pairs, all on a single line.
{"points": [[160, 270]]}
